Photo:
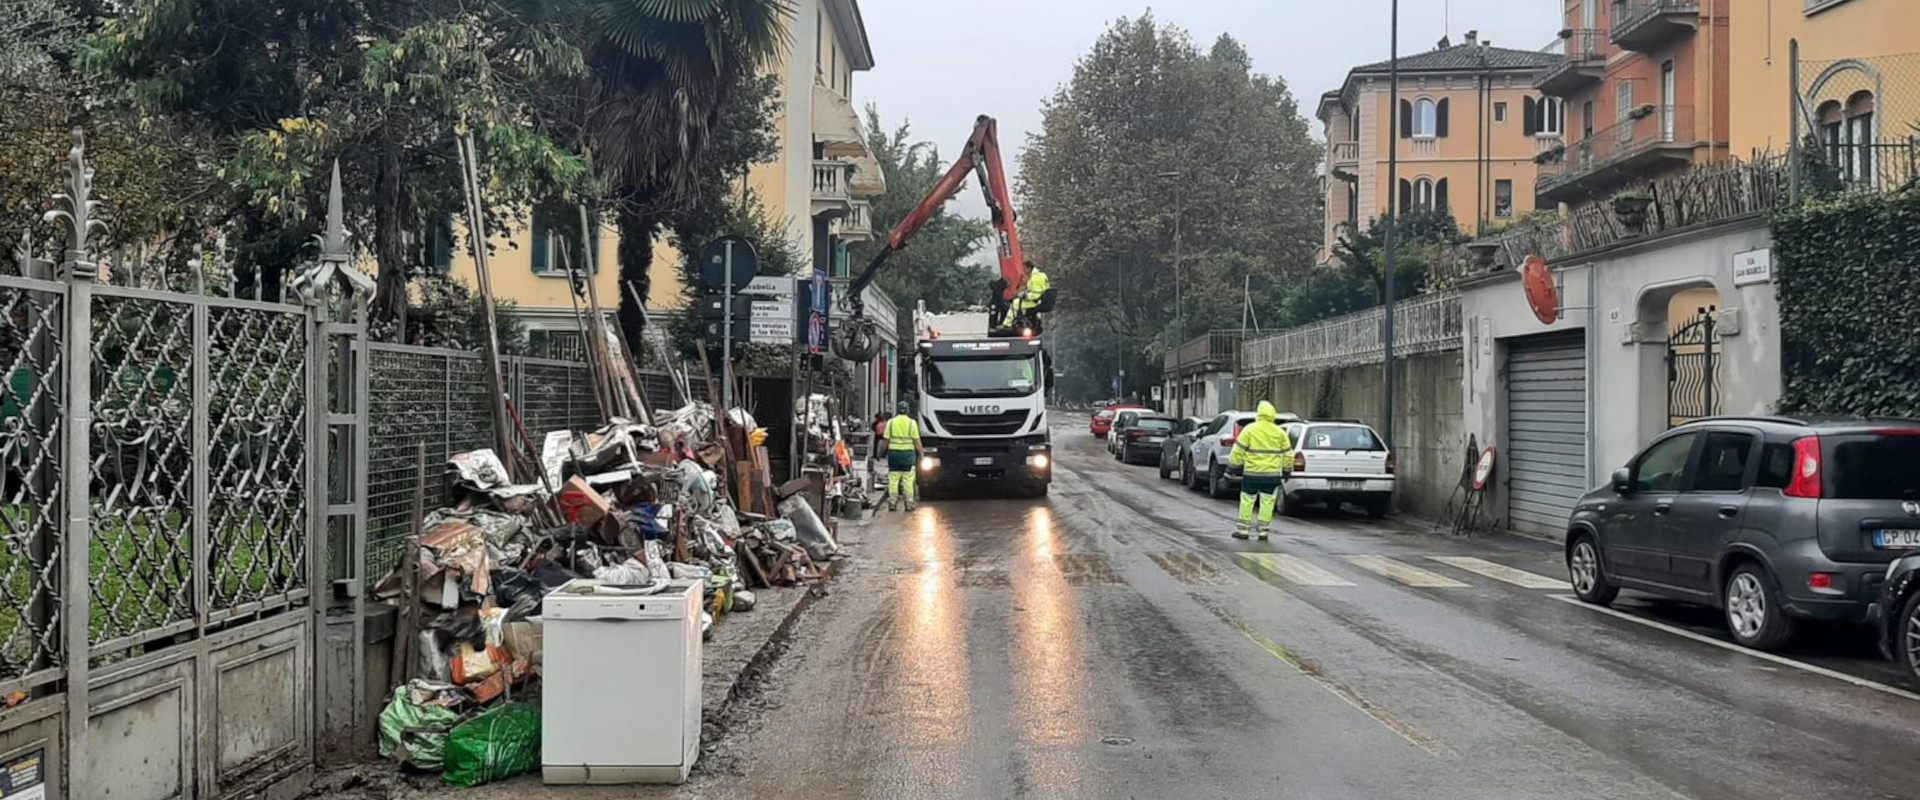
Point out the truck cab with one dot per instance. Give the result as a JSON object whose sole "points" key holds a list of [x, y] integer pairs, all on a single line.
{"points": [[983, 415]]}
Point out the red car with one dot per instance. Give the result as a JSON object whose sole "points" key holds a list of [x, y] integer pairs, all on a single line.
{"points": [[1103, 419]]}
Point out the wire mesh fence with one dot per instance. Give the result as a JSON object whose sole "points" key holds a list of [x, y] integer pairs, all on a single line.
{"points": [[1860, 124]]}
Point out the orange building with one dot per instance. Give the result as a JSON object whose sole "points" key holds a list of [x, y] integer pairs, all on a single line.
{"points": [[1646, 90], [1470, 126]]}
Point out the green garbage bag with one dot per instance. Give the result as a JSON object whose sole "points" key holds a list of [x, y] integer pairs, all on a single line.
{"points": [[415, 734], [498, 744]]}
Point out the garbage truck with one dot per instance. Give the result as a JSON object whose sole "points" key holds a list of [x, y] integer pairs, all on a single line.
{"points": [[982, 403]]}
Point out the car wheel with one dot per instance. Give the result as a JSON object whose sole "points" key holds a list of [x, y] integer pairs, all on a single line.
{"points": [[1754, 613], [1163, 468], [1289, 507], [1187, 476], [1585, 572], [1377, 506], [1906, 638], [1216, 481]]}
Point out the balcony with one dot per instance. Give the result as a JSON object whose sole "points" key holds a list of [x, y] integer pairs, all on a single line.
{"points": [[832, 188], [1583, 63], [1346, 155], [1216, 351], [1644, 25], [857, 225], [1653, 140]]}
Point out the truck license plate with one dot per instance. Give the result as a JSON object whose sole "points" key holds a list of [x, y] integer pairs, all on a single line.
{"points": [[1896, 539], [983, 461], [1347, 486]]}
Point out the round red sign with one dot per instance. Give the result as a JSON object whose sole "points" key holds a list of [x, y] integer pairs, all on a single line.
{"points": [[1542, 295], [1483, 471]]}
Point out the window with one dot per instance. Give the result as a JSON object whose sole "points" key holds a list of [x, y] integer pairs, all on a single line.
{"points": [[1590, 14], [1622, 99], [1499, 112], [440, 245], [1553, 116], [1873, 467], [1586, 120], [1423, 119], [1663, 465], [1423, 194], [1776, 466], [1847, 133], [1340, 437], [1723, 462], [556, 239], [1503, 198]]}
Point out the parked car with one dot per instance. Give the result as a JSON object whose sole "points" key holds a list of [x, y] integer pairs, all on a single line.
{"points": [[1140, 440], [1122, 419], [1337, 462], [1899, 612], [1103, 420], [1173, 451], [1205, 467], [1771, 520]]}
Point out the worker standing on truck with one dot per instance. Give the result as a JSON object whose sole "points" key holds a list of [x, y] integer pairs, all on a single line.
{"points": [[1034, 297], [1261, 452], [903, 457]]}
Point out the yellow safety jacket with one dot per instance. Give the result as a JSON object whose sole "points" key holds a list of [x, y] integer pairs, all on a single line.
{"points": [[1263, 448], [902, 433], [1037, 285]]}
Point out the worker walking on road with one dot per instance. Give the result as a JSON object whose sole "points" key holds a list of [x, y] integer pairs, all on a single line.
{"points": [[1261, 451], [903, 457]]}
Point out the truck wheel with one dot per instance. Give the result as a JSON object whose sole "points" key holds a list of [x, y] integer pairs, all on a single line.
{"points": [[1039, 490]]}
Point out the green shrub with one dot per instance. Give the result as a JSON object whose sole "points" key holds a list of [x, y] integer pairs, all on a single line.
{"points": [[1847, 271]]}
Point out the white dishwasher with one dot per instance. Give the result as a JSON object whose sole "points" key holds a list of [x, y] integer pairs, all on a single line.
{"points": [[620, 684]]}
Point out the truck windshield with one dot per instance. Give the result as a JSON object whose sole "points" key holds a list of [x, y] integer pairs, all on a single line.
{"points": [[981, 377]]}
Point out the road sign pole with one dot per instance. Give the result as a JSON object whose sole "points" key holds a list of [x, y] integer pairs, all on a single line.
{"points": [[726, 337]]}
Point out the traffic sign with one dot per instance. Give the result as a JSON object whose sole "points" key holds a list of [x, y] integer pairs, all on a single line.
{"points": [[772, 322], [714, 263], [769, 286]]}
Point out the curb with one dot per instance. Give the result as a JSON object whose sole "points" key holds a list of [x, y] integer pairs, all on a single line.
{"points": [[767, 651]]}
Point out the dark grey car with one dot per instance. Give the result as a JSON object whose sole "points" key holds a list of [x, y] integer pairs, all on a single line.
{"points": [[1769, 519]]}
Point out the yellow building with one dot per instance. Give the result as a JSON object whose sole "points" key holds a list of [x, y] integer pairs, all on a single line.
{"points": [[1860, 74], [817, 183], [1470, 126]]}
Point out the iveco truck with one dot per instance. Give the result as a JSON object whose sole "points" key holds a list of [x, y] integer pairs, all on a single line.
{"points": [[982, 407]]}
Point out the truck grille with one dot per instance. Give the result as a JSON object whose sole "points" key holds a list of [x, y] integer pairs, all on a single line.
{"points": [[1003, 424]]}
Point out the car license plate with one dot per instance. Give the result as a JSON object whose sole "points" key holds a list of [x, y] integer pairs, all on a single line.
{"points": [[1347, 486], [1896, 539], [1156, 439], [983, 461]]}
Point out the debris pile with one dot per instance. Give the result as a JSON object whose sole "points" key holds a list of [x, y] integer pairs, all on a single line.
{"points": [[632, 505]]}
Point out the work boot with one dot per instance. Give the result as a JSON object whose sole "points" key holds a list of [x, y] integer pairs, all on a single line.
{"points": [[1262, 533], [910, 505], [1240, 533], [888, 504]]}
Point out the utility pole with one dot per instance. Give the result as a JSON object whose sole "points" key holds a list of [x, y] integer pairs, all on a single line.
{"points": [[1179, 306], [1393, 184]]}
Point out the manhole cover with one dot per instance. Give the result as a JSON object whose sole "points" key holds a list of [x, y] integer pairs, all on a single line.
{"points": [[1117, 741]]}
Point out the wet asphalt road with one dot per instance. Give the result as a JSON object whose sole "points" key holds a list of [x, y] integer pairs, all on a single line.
{"points": [[1112, 642]]}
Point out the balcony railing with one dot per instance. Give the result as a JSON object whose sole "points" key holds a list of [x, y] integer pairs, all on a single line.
{"points": [[831, 180], [1647, 130], [1426, 324], [1215, 350], [1867, 168], [1644, 24], [1346, 154], [1584, 62], [857, 225]]}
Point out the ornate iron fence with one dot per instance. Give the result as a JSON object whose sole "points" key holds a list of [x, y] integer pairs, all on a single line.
{"points": [[1422, 325]]}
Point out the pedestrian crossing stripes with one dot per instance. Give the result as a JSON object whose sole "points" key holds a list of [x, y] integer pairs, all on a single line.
{"points": [[1501, 572], [1404, 573], [1292, 569]]}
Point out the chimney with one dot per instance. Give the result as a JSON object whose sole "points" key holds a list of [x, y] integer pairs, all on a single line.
{"points": [[1473, 38]]}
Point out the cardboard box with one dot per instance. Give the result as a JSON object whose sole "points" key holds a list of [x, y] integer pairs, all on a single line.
{"points": [[581, 505]]}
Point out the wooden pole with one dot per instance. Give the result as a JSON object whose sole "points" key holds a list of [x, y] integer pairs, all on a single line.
{"points": [[406, 649], [476, 228]]}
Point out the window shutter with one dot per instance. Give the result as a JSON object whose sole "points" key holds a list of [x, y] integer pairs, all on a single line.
{"points": [[1440, 195], [1406, 119], [1406, 196], [441, 247], [542, 252], [1529, 116], [1440, 124]]}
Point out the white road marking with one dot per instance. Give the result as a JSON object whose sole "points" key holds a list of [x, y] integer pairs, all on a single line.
{"points": [[1502, 572], [1295, 570], [1404, 573], [1763, 656]]}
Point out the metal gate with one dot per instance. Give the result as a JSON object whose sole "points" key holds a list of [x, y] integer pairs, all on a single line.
{"points": [[1693, 369], [1546, 431], [164, 511]]}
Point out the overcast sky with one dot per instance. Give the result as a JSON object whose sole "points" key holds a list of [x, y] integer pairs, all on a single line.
{"points": [[940, 63]]}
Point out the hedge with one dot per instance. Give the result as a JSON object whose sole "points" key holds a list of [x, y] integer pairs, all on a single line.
{"points": [[1847, 272]]}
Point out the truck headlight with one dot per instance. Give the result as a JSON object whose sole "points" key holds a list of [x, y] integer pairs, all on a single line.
{"points": [[929, 464], [1039, 461]]}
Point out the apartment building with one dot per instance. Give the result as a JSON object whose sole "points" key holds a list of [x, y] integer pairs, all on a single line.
{"points": [[1645, 89], [817, 183], [1470, 126]]}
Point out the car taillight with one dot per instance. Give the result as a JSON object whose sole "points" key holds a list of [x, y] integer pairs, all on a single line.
{"points": [[1390, 463], [1227, 439], [1136, 434], [1299, 462], [1806, 468]]}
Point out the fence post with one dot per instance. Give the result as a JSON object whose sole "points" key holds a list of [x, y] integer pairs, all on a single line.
{"points": [[79, 271], [1793, 114]]}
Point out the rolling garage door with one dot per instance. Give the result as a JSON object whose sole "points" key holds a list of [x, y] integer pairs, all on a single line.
{"points": [[1546, 431]]}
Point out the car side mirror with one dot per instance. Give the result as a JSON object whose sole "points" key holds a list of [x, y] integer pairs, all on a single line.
{"points": [[1623, 481]]}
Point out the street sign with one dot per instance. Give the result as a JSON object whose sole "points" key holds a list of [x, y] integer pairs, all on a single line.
{"points": [[772, 322], [820, 303], [714, 261], [768, 286], [1753, 266]]}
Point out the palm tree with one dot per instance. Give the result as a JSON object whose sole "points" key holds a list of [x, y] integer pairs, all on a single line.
{"points": [[661, 73]]}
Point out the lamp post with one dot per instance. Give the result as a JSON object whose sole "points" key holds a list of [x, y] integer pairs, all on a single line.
{"points": [[1393, 183], [1179, 307]]}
